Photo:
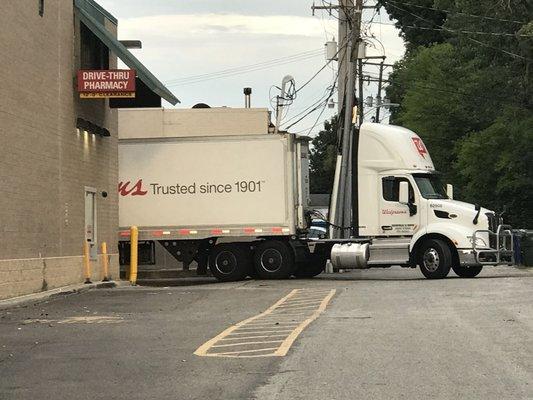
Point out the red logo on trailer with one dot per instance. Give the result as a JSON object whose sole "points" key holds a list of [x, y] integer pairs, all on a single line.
{"points": [[419, 144], [136, 190]]}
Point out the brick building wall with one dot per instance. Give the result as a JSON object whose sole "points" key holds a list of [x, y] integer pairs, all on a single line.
{"points": [[45, 162]]}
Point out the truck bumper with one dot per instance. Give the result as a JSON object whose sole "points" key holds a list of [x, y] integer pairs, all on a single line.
{"points": [[467, 258], [501, 250]]}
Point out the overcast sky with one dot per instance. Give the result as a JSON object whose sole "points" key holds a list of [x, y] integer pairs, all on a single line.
{"points": [[186, 38]]}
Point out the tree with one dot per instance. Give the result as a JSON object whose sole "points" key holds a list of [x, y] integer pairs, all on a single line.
{"points": [[416, 13], [497, 166], [322, 158], [468, 95]]}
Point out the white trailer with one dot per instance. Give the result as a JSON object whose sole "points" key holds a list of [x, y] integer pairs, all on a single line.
{"points": [[207, 183], [219, 187]]}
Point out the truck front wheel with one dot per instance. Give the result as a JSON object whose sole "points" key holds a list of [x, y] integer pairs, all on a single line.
{"points": [[467, 272], [435, 259], [229, 262], [273, 259]]}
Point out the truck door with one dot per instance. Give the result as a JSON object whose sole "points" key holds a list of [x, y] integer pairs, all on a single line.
{"points": [[395, 218]]}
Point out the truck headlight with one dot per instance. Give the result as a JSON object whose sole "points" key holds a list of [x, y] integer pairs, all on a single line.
{"points": [[479, 241]]}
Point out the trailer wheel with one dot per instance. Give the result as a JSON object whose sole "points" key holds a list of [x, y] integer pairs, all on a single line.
{"points": [[273, 260], [435, 259], [467, 272], [229, 262]]}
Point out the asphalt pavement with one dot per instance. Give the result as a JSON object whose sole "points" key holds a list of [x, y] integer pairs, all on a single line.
{"points": [[383, 334]]}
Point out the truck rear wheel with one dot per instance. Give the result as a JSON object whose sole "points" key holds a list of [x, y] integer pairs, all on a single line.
{"points": [[273, 259], [229, 262], [467, 272], [435, 259]]}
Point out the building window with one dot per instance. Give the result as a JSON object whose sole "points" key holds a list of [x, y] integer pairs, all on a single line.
{"points": [[391, 188], [41, 8], [94, 54]]}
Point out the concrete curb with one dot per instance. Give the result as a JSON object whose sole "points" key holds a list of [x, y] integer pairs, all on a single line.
{"points": [[61, 291]]}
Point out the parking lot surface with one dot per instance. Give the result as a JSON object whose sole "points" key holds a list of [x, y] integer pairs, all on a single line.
{"points": [[382, 334]]}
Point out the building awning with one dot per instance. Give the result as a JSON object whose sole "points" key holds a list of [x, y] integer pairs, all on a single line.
{"points": [[83, 12]]}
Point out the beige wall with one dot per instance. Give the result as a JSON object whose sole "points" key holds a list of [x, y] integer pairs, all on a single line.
{"points": [[44, 163]]}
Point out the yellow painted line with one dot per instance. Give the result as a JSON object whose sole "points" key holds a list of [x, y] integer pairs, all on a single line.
{"points": [[245, 343], [272, 323], [244, 351], [314, 303], [262, 331], [263, 326], [287, 343], [202, 350], [253, 337]]}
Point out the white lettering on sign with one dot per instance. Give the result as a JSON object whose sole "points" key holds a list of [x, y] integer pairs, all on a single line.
{"points": [[104, 85], [105, 75]]}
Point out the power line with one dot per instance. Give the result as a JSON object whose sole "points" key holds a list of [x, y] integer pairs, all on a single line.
{"points": [[245, 69], [341, 47], [467, 37], [323, 104], [457, 30], [233, 69], [316, 105], [458, 12]]}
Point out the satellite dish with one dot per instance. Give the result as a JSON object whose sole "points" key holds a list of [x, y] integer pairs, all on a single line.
{"points": [[201, 105]]}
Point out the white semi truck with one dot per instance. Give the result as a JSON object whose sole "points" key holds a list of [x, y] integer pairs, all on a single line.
{"points": [[217, 186]]}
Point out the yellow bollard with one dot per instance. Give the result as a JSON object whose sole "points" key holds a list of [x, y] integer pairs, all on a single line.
{"points": [[134, 246], [105, 262], [86, 263]]}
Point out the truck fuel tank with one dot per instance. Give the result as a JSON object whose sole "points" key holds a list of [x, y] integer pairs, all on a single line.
{"points": [[350, 255]]}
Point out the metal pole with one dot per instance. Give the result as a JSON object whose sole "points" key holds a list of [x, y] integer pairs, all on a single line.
{"points": [[342, 61], [361, 97], [105, 262], [134, 249], [344, 209], [379, 90], [86, 263]]}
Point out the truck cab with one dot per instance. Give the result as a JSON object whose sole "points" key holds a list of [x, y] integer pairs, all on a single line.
{"points": [[410, 216]]}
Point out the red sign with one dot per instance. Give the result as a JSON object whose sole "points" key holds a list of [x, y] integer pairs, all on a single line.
{"points": [[106, 83], [419, 144]]}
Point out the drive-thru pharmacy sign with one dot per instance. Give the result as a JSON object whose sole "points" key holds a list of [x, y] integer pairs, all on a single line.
{"points": [[104, 83]]}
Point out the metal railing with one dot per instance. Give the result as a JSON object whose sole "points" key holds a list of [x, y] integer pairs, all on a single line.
{"points": [[504, 246]]}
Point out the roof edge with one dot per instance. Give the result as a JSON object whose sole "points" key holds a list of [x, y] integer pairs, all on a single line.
{"points": [[106, 14]]}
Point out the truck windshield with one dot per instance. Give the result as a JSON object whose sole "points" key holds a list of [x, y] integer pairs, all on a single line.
{"points": [[430, 186]]}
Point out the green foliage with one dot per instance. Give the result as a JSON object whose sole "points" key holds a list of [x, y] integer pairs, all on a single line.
{"points": [[402, 13], [469, 97], [497, 166], [322, 158]]}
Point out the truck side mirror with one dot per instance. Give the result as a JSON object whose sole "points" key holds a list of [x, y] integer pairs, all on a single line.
{"points": [[449, 191], [404, 192]]}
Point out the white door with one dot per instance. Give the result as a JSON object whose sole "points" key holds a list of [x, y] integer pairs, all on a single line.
{"points": [[90, 221], [395, 218]]}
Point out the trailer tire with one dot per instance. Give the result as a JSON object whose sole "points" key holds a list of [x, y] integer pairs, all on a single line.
{"points": [[229, 262], [467, 272], [273, 259], [435, 259]]}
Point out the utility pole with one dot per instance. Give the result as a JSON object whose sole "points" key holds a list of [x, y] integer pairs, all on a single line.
{"points": [[342, 57], [344, 198], [360, 110], [350, 13], [378, 97]]}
